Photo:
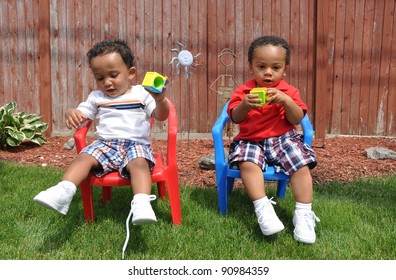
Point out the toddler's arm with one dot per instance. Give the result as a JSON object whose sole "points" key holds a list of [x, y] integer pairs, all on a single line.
{"points": [[249, 102], [161, 110], [293, 112]]}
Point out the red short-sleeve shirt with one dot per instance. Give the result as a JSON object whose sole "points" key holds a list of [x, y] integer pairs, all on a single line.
{"points": [[268, 120]]}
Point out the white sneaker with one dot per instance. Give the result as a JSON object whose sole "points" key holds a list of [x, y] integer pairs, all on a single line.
{"points": [[57, 198], [142, 212], [304, 223], [267, 218]]}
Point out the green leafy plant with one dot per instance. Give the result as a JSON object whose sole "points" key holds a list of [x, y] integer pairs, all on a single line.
{"points": [[16, 128]]}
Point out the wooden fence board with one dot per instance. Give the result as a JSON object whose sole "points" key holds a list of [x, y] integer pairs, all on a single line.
{"points": [[348, 37], [212, 53], [383, 88], [338, 67], [44, 65], [366, 65], [375, 67], [391, 116], [356, 69], [321, 81]]}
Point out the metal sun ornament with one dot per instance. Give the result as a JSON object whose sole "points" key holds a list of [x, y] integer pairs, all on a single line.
{"points": [[184, 59]]}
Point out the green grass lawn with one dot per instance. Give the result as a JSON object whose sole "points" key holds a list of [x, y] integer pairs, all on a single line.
{"points": [[357, 223]]}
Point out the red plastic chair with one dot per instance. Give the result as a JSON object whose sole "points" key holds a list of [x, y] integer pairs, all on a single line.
{"points": [[165, 174]]}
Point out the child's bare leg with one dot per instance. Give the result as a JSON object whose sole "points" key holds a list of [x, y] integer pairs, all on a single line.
{"points": [[301, 182], [253, 180], [140, 176], [80, 168], [141, 185]]}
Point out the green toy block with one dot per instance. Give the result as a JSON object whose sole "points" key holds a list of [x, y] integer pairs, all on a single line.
{"points": [[154, 82], [262, 94]]}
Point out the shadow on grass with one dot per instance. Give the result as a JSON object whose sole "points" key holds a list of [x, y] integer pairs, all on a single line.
{"points": [[240, 208], [65, 227], [115, 210]]}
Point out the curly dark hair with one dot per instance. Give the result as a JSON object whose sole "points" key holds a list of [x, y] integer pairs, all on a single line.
{"points": [[113, 46], [269, 40]]}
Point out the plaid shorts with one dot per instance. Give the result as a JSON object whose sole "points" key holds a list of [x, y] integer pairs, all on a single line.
{"points": [[115, 154], [287, 153]]}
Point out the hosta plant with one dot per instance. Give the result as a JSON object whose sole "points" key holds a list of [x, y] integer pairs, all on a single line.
{"points": [[16, 128]]}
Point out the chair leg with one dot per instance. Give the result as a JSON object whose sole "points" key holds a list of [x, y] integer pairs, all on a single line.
{"points": [[281, 189], [86, 196], [221, 180], [106, 194], [161, 189], [174, 199], [230, 184], [222, 197]]}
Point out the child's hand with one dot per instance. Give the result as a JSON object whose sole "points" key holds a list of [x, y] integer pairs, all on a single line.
{"points": [[74, 118], [159, 96], [161, 110], [251, 101], [275, 96]]}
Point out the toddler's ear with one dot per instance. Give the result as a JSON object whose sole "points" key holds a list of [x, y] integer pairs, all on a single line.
{"points": [[132, 73], [251, 69], [284, 72]]}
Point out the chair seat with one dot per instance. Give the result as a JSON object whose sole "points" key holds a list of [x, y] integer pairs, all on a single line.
{"points": [[269, 174], [114, 179]]}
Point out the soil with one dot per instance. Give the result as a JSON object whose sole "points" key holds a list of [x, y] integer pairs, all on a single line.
{"points": [[339, 159]]}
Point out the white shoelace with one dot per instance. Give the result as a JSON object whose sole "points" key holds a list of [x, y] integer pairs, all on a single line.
{"points": [[308, 217], [152, 197], [260, 214]]}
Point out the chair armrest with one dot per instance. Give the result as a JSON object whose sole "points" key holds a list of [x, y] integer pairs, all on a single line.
{"points": [[307, 129], [80, 136], [217, 134]]}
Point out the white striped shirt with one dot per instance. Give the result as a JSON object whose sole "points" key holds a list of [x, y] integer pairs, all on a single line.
{"points": [[123, 117]]}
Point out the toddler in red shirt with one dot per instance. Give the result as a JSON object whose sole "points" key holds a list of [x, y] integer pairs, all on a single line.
{"points": [[267, 135]]}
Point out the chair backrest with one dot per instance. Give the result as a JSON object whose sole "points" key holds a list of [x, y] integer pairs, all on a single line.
{"points": [[172, 136], [217, 134], [307, 129]]}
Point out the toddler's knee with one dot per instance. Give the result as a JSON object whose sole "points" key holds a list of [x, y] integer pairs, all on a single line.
{"points": [[138, 163]]}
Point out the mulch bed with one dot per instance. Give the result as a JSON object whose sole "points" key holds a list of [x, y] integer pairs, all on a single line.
{"points": [[339, 159]]}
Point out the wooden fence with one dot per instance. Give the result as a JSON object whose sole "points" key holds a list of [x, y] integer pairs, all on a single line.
{"points": [[343, 55]]}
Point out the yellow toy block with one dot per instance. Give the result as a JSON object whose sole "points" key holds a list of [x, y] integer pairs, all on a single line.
{"points": [[262, 94], [154, 82]]}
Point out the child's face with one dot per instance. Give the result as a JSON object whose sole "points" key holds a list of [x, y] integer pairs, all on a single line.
{"points": [[112, 75], [268, 65]]}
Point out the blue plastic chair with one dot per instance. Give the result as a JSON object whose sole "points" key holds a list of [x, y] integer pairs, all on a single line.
{"points": [[225, 175]]}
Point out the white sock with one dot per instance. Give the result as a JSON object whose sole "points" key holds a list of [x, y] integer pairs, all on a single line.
{"points": [[141, 196], [259, 202], [303, 206], [69, 186]]}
